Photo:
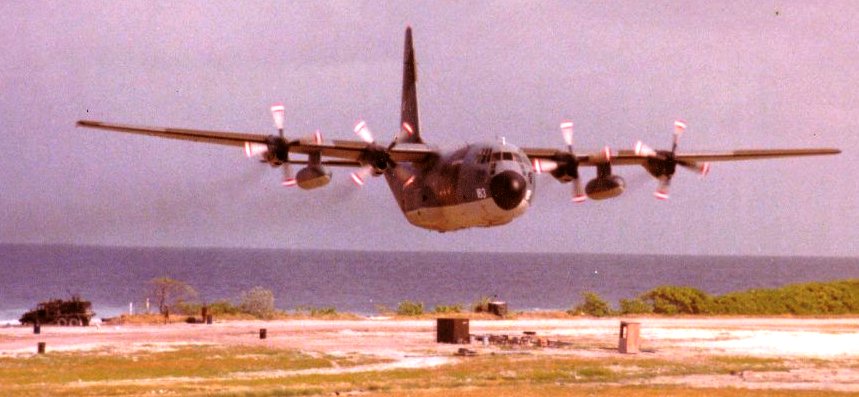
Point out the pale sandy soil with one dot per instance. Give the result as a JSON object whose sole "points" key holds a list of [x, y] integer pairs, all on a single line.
{"points": [[822, 353]]}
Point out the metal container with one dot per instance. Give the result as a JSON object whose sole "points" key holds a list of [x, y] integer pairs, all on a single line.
{"points": [[452, 330]]}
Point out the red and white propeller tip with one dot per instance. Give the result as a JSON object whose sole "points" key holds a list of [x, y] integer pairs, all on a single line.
{"points": [[579, 195], [253, 149], [567, 131], [679, 126], [540, 166], [641, 149], [289, 182], [661, 194], [277, 114], [705, 169], [408, 128], [363, 131], [359, 177]]}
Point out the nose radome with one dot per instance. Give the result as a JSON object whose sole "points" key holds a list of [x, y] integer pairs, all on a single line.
{"points": [[508, 189]]}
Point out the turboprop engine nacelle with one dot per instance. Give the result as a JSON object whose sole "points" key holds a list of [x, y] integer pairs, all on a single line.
{"points": [[312, 177], [605, 187]]}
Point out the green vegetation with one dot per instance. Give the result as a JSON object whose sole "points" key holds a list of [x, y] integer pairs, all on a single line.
{"points": [[635, 306], [317, 311], [410, 308], [481, 305], [677, 300], [168, 294], [446, 309], [266, 371], [593, 305], [177, 297], [258, 302], [815, 298]]}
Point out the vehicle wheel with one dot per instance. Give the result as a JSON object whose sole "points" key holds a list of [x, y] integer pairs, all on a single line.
{"points": [[62, 322], [75, 322]]}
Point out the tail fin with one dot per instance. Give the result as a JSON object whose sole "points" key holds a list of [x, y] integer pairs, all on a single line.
{"points": [[410, 129]]}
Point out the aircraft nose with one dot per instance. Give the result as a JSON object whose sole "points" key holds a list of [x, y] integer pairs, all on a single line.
{"points": [[508, 189]]}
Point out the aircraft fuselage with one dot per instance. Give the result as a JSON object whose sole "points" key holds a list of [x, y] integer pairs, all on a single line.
{"points": [[479, 185]]}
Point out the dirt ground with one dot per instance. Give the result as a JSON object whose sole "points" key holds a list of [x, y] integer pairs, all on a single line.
{"points": [[823, 353]]}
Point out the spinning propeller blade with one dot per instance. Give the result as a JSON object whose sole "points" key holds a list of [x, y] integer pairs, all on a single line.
{"points": [[360, 176], [364, 132], [662, 164]]}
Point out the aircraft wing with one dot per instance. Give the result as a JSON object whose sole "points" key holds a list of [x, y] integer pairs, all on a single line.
{"points": [[629, 157], [347, 153]]}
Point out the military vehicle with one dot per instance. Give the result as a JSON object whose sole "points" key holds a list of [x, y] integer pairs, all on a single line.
{"points": [[74, 312]]}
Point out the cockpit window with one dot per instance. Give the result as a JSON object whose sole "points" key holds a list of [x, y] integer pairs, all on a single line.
{"points": [[497, 156]]}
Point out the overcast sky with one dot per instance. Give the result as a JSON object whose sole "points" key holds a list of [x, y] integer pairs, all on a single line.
{"points": [[744, 74]]}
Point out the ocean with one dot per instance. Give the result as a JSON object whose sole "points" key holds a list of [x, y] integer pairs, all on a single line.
{"points": [[361, 281]]}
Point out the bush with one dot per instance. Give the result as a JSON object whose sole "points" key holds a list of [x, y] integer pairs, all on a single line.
{"points": [[593, 305], [481, 305], [635, 306], [216, 308], [678, 300], [258, 302], [317, 311], [409, 308], [169, 294], [456, 308], [837, 297]]}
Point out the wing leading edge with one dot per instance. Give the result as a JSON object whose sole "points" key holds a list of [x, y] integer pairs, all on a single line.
{"points": [[628, 157], [348, 152]]}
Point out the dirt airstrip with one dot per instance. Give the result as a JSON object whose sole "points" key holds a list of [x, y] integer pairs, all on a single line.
{"points": [[823, 353]]}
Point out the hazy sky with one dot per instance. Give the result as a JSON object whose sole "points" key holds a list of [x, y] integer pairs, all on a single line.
{"points": [[744, 74]]}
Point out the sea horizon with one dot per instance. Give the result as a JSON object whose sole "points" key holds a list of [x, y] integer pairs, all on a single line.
{"points": [[362, 281]]}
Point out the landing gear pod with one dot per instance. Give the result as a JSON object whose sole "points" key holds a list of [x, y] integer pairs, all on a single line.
{"points": [[605, 187], [312, 177]]}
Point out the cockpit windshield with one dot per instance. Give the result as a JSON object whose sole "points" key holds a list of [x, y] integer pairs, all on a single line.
{"points": [[496, 156]]}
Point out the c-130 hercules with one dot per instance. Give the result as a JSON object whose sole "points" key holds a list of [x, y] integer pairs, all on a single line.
{"points": [[478, 185]]}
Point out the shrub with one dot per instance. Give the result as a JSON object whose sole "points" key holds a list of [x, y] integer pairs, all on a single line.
{"points": [[317, 311], [169, 294], [220, 307], [258, 302], [455, 308], [216, 308], [410, 308], [635, 306], [481, 305], [678, 300], [837, 297], [593, 305]]}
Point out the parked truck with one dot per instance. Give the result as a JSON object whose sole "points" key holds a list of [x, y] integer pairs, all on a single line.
{"points": [[74, 312]]}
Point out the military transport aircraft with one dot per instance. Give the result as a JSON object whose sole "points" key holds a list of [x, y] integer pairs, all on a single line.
{"points": [[478, 185]]}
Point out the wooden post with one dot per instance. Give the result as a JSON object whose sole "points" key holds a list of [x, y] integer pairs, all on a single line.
{"points": [[37, 328], [262, 333], [41, 348]]}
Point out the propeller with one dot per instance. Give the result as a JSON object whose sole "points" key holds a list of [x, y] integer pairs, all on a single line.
{"points": [[377, 158], [277, 114], [662, 164], [565, 166], [275, 151]]}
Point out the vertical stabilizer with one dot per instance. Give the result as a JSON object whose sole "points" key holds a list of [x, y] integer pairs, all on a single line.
{"points": [[410, 129]]}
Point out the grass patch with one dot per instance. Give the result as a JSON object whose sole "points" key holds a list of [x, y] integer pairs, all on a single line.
{"points": [[196, 361], [208, 370]]}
